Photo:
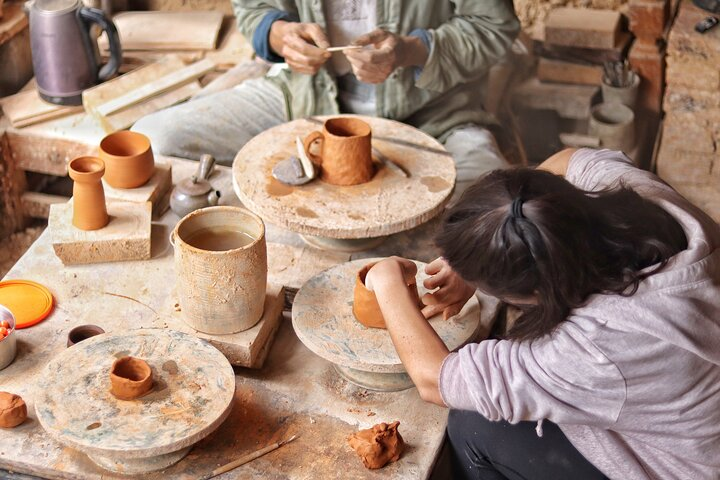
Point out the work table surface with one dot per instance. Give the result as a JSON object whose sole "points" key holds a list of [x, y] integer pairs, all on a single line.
{"points": [[295, 392]]}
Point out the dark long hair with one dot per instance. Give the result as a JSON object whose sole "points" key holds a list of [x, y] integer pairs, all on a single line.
{"points": [[524, 232]]}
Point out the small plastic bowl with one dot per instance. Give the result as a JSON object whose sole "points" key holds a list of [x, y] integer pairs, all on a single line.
{"points": [[8, 345]]}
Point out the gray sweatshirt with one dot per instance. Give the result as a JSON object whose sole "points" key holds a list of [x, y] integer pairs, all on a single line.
{"points": [[633, 382]]}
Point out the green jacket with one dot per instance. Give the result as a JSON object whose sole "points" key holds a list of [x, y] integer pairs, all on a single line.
{"points": [[468, 37]]}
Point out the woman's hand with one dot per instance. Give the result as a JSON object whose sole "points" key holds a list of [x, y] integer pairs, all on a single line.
{"points": [[452, 291], [385, 52], [302, 45]]}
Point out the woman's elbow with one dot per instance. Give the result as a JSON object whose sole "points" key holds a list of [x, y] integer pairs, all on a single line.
{"points": [[431, 394]]}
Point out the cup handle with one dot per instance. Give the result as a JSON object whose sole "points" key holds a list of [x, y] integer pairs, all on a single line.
{"points": [[307, 143], [171, 238]]}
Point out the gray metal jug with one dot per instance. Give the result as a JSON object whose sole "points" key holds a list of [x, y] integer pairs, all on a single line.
{"points": [[65, 54]]}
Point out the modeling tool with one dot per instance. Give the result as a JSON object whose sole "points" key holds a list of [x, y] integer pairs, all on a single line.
{"points": [[343, 48], [246, 459]]}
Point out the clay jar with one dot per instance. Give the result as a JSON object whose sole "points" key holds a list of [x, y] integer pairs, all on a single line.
{"points": [[128, 159], [13, 410], [379, 445], [345, 152], [130, 378], [89, 211], [365, 305], [83, 332]]}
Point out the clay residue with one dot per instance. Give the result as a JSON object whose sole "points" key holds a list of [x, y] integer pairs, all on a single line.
{"points": [[170, 366], [435, 184], [306, 212], [13, 410], [277, 188], [379, 445], [93, 426]]}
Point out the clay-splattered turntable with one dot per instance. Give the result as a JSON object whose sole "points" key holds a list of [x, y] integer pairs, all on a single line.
{"points": [[192, 395], [323, 320], [348, 218]]}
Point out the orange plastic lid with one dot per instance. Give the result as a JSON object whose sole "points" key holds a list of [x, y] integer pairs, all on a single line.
{"points": [[29, 302]]}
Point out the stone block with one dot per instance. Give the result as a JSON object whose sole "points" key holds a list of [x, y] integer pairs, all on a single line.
{"points": [[125, 237], [584, 28], [648, 18], [682, 99], [569, 101], [153, 191], [684, 41], [566, 72], [693, 73], [683, 168], [685, 133]]}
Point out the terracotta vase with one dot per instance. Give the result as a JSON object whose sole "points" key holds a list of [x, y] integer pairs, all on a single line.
{"points": [[89, 211], [128, 159], [130, 378], [365, 305], [345, 151]]}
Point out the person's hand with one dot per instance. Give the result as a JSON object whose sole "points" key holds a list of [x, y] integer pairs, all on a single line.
{"points": [[390, 271], [302, 45], [384, 53], [452, 291]]}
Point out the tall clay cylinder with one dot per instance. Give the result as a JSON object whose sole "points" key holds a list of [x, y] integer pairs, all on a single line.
{"points": [[89, 210], [221, 284]]}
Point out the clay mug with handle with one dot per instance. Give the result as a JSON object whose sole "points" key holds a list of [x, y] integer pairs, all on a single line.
{"points": [[345, 151]]}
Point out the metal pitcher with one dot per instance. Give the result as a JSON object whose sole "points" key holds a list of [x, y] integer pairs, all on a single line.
{"points": [[65, 53]]}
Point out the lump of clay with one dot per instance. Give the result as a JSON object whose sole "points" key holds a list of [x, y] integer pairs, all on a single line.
{"points": [[365, 306], [130, 378], [13, 410], [379, 445]]}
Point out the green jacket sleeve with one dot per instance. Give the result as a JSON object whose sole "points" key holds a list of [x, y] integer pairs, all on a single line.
{"points": [[468, 44], [249, 13]]}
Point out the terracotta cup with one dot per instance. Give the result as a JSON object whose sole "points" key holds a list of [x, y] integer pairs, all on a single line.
{"points": [[345, 151], [130, 378], [365, 305], [220, 290], [89, 211], [128, 159], [83, 332]]}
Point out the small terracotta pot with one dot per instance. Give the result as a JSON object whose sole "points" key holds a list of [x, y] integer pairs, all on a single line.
{"points": [[83, 332], [130, 378], [89, 211], [128, 159], [365, 306]]}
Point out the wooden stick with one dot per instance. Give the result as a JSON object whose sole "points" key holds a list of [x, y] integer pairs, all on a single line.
{"points": [[346, 47], [247, 458]]}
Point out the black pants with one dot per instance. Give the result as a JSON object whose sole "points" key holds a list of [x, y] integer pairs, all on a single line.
{"points": [[482, 449]]}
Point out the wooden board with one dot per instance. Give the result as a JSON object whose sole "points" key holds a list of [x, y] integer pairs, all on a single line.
{"points": [[153, 191], [569, 101], [37, 204], [588, 56], [583, 28], [387, 204], [26, 108], [565, 72], [13, 21], [125, 237], [167, 30]]}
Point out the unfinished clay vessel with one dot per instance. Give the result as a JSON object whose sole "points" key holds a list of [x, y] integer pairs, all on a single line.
{"points": [[379, 445], [130, 378], [83, 332], [365, 305], [128, 159], [13, 410], [345, 151], [89, 211]]}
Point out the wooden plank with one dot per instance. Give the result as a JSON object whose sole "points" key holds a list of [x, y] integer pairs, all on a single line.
{"points": [[12, 185], [27, 108], [580, 27], [13, 21], [44, 154], [589, 56], [156, 87], [566, 72], [37, 204], [569, 101], [167, 30]]}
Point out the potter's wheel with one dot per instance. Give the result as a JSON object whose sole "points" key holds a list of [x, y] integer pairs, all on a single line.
{"points": [[347, 218], [192, 395], [323, 320]]}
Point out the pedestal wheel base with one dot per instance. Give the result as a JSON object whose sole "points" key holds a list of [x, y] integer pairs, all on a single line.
{"points": [[349, 245], [133, 466], [380, 382]]}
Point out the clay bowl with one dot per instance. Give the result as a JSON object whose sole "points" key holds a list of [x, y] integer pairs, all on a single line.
{"points": [[128, 157], [130, 378], [8, 345], [83, 332], [365, 306]]}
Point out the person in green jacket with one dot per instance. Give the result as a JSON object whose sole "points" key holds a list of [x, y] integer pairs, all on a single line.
{"points": [[422, 63]]}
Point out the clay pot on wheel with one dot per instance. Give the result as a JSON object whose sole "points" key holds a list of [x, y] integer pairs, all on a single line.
{"points": [[128, 159], [130, 378], [365, 305], [89, 211]]}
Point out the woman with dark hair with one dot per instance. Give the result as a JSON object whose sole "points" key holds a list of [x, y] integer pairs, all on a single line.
{"points": [[613, 367]]}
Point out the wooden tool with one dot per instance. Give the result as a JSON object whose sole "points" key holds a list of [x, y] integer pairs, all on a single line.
{"points": [[247, 458], [346, 47]]}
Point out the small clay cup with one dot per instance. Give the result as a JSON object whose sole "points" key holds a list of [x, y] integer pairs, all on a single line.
{"points": [[128, 158], [365, 305], [83, 332], [130, 378], [89, 210]]}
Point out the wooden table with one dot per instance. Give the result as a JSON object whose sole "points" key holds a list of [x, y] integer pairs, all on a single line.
{"points": [[295, 392]]}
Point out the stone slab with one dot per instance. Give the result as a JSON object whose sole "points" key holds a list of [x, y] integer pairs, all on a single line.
{"points": [[678, 167], [569, 101], [125, 237], [37, 204], [685, 42], [153, 191], [584, 28], [558, 71]]}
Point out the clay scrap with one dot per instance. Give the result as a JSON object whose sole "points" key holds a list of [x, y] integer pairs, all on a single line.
{"points": [[379, 445], [130, 378], [13, 410]]}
